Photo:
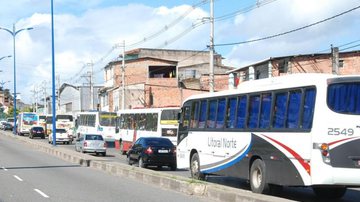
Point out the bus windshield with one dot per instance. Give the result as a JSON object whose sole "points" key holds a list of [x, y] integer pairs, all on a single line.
{"points": [[107, 119], [64, 117], [169, 116], [344, 98]]}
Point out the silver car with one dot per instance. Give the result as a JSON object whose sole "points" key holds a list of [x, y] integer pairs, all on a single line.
{"points": [[91, 143]]}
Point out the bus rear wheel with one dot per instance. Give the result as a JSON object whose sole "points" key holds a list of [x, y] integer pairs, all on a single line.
{"points": [[195, 167], [329, 192], [258, 177]]}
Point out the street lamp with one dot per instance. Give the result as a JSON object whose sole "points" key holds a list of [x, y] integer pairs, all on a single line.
{"points": [[13, 33]]}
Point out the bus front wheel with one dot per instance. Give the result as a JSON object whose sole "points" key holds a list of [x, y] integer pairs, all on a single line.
{"points": [[195, 167], [258, 177]]}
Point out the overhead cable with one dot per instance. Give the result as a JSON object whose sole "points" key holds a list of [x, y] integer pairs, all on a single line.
{"points": [[288, 32]]}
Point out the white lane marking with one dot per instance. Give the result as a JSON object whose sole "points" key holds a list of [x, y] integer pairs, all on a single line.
{"points": [[4, 168], [18, 178], [41, 193]]}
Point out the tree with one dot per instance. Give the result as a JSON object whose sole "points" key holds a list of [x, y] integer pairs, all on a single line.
{"points": [[11, 111]]}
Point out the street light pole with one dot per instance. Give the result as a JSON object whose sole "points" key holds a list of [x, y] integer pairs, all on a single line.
{"points": [[13, 33]]}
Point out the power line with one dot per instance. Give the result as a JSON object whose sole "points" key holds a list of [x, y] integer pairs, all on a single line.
{"points": [[288, 32]]}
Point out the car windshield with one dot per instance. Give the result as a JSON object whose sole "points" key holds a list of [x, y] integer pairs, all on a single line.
{"points": [[38, 128], [158, 142], [60, 131], [94, 137]]}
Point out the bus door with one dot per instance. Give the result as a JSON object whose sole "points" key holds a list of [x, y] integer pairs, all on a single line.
{"points": [[184, 124]]}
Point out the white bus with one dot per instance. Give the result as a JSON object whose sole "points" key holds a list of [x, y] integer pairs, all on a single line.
{"points": [[25, 121], [296, 130], [64, 121], [150, 122], [96, 122]]}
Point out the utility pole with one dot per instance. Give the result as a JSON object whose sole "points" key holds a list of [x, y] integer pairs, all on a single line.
{"points": [[89, 76], [35, 96], [123, 78], [211, 47], [335, 59]]}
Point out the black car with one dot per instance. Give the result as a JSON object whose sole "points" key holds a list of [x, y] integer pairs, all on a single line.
{"points": [[153, 151], [37, 131], [7, 126]]}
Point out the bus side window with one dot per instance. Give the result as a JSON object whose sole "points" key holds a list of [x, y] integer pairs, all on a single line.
{"points": [[309, 105], [194, 115], [265, 110], [230, 113], [241, 112], [202, 116], [254, 106], [220, 119], [293, 112], [280, 110], [212, 114]]}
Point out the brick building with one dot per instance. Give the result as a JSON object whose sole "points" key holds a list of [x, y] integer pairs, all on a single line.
{"points": [[159, 78], [342, 63]]}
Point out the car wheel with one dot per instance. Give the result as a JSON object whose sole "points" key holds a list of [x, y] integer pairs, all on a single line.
{"points": [[195, 167], [130, 162], [103, 154], [97, 154], [43, 137], [141, 163], [258, 173]]}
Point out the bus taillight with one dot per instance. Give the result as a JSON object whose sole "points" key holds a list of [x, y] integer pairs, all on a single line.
{"points": [[324, 149]]}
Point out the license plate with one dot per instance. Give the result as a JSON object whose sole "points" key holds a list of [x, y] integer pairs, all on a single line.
{"points": [[163, 151]]}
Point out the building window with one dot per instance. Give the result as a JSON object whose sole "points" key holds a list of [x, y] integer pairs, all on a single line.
{"points": [[341, 63], [283, 67], [162, 71]]}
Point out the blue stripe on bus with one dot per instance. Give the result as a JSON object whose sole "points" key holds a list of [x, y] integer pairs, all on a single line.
{"points": [[229, 164]]}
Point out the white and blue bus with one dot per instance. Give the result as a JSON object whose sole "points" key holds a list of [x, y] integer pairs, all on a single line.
{"points": [[295, 130], [96, 122]]}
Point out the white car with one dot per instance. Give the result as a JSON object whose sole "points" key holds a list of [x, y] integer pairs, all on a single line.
{"points": [[61, 136]]}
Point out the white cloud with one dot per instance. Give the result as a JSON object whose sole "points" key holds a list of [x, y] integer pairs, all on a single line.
{"points": [[85, 33]]}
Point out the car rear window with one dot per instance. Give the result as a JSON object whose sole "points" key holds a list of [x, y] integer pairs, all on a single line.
{"points": [[94, 137], [38, 128], [158, 142], [60, 130]]}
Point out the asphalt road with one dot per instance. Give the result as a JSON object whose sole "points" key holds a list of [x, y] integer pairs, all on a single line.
{"points": [[291, 193], [30, 175]]}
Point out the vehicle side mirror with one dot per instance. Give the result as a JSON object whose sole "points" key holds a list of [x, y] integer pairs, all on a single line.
{"points": [[117, 130]]}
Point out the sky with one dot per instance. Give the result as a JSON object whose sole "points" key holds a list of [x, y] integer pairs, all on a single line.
{"points": [[93, 31]]}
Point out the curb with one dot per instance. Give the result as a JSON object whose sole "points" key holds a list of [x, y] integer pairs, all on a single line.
{"points": [[173, 182]]}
